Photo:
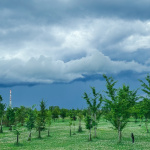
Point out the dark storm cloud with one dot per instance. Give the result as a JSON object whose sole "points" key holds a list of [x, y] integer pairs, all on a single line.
{"points": [[48, 11], [141, 56], [45, 41]]}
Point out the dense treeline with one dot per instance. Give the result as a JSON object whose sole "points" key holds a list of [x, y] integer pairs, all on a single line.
{"points": [[116, 105]]}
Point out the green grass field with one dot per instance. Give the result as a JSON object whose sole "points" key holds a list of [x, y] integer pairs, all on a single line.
{"points": [[60, 139]]}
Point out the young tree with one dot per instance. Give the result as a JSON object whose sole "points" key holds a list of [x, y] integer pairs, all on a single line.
{"points": [[30, 121], [17, 132], [2, 108], [146, 100], [72, 114], [146, 111], [80, 117], [10, 114], [21, 115], [70, 124], [49, 120], [118, 104], [93, 105], [41, 118], [89, 125]]}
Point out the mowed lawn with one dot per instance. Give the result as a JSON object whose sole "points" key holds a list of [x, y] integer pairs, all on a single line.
{"points": [[61, 140]]}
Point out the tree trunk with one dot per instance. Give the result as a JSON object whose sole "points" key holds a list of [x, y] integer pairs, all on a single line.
{"points": [[70, 130], [95, 125], [146, 124], [119, 132], [48, 133], [119, 136], [80, 128], [1, 130], [132, 136], [74, 129], [90, 131], [90, 139], [29, 137]]}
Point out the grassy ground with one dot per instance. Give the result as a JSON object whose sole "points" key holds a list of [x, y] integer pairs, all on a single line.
{"points": [[60, 139]]}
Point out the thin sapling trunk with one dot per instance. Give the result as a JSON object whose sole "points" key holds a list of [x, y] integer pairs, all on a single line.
{"points": [[39, 133], [119, 132], [29, 137], [70, 130], [146, 124], [48, 132], [1, 130], [95, 125]]}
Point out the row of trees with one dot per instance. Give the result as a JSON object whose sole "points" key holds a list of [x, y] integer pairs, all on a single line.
{"points": [[117, 105], [32, 118]]}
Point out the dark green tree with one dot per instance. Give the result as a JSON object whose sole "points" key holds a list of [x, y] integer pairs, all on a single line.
{"points": [[94, 105], [63, 113], [135, 112], [21, 115], [146, 99], [73, 114], [41, 118], [49, 120], [80, 117], [30, 121], [118, 104], [70, 124], [55, 113], [89, 124], [2, 110], [10, 114], [17, 132]]}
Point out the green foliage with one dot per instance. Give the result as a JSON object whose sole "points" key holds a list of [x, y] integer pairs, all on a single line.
{"points": [[55, 113], [63, 113], [93, 105], [30, 120], [2, 108], [21, 115], [80, 115], [10, 114], [70, 122], [146, 100], [89, 122], [49, 118], [92, 102], [146, 87], [118, 107], [41, 118], [73, 114]]}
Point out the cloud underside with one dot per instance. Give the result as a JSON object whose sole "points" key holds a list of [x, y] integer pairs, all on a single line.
{"points": [[46, 70], [44, 43]]}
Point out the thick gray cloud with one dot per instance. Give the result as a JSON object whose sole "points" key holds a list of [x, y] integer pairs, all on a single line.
{"points": [[44, 41], [47, 70]]}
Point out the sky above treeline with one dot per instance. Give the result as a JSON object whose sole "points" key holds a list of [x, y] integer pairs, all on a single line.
{"points": [[56, 50]]}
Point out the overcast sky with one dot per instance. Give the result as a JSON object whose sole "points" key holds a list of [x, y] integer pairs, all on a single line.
{"points": [[56, 50]]}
